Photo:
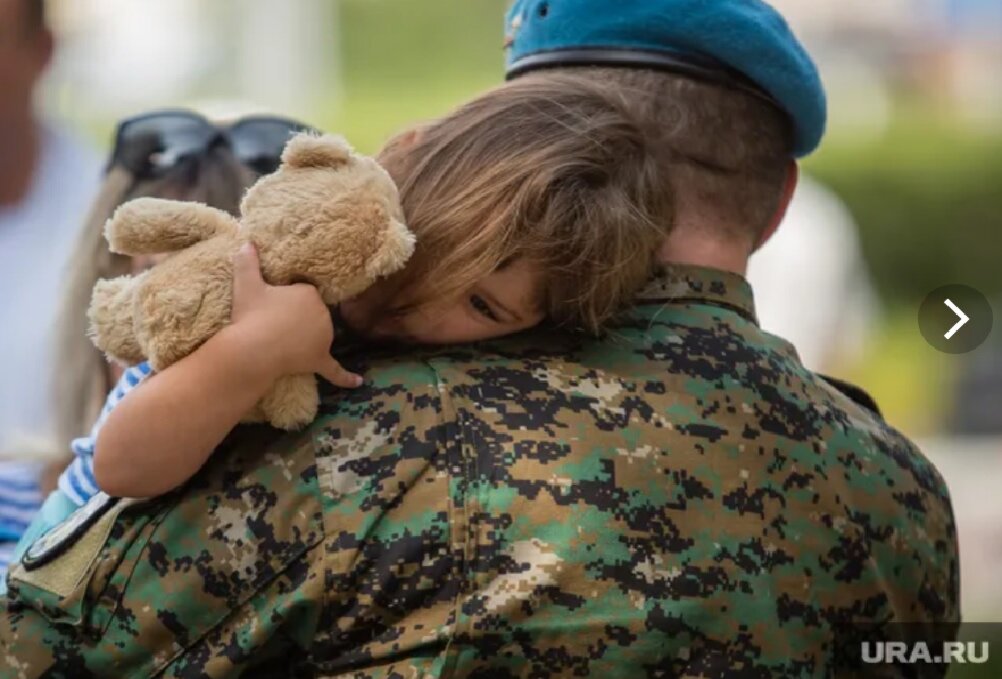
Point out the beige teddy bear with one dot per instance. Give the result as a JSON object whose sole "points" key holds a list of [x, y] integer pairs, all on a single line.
{"points": [[328, 216]]}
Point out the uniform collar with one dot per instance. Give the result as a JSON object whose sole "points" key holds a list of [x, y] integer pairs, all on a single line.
{"points": [[678, 283]]}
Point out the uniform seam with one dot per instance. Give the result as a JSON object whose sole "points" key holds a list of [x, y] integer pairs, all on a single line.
{"points": [[458, 508], [329, 559], [745, 312]]}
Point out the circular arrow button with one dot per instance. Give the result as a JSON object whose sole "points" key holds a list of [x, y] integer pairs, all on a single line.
{"points": [[955, 319]]}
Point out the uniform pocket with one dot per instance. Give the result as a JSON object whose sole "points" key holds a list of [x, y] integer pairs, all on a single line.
{"points": [[74, 574], [169, 572]]}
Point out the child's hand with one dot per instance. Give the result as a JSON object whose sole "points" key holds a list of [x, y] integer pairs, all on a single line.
{"points": [[283, 330]]}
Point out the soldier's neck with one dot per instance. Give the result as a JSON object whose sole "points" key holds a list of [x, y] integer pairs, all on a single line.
{"points": [[694, 247]]}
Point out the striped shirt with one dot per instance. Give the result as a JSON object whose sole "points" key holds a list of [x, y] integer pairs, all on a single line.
{"points": [[77, 481], [20, 498]]}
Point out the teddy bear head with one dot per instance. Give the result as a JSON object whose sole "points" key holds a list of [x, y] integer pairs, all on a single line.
{"points": [[328, 216]]}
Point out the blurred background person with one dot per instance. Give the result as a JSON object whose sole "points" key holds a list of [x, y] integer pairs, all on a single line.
{"points": [[47, 179], [816, 251]]}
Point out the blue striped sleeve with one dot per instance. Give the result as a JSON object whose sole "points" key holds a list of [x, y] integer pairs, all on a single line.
{"points": [[78, 482], [20, 496]]}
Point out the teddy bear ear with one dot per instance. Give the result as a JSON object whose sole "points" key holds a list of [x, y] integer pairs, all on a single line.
{"points": [[393, 253], [311, 150]]}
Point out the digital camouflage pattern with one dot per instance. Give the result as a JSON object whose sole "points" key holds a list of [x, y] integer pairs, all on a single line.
{"points": [[681, 498]]}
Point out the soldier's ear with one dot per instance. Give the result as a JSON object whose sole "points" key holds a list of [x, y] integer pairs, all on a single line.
{"points": [[310, 150]]}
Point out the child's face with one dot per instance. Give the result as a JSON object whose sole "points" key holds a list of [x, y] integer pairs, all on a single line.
{"points": [[503, 303]]}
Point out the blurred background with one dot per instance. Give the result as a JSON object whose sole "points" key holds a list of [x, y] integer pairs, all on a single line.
{"points": [[905, 195]]}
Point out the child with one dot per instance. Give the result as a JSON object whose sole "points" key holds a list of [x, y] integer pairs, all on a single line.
{"points": [[531, 202]]}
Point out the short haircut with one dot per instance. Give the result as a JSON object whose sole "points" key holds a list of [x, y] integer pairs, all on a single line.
{"points": [[554, 171], [724, 151]]}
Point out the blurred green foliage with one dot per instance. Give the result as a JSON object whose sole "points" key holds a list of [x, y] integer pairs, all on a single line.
{"points": [[403, 62], [912, 382], [927, 197]]}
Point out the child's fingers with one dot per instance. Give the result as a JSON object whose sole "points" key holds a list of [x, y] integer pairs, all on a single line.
{"points": [[333, 372], [246, 270]]}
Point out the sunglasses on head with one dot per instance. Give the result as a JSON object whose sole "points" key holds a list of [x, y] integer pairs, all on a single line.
{"points": [[151, 144]]}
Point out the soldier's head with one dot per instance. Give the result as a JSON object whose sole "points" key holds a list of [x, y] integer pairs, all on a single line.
{"points": [[727, 96], [727, 155], [26, 46]]}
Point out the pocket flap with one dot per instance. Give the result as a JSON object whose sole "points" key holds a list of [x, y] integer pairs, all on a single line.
{"points": [[60, 570], [167, 574]]}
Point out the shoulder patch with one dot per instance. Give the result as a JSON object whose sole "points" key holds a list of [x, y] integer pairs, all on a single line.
{"points": [[61, 537]]}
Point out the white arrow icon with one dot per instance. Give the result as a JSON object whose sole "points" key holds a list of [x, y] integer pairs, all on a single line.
{"points": [[959, 324]]}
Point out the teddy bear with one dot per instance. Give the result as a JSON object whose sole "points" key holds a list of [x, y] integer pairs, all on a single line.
{"points": [[328, 216]]}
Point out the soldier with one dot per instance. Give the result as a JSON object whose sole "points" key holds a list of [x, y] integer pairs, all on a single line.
{"points": [[679, 497]]}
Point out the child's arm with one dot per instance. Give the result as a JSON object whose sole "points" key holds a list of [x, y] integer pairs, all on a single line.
{"points": [[163, 431], [77, 480]]}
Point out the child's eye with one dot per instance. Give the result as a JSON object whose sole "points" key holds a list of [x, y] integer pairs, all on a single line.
{"points": [[482, 307]]}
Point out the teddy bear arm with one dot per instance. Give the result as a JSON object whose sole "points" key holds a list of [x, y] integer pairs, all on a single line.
{"points": [[177, 314], [148, 226], [112, 324]]}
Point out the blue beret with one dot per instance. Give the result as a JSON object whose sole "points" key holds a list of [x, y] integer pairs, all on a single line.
{"points": [[745, 43]]}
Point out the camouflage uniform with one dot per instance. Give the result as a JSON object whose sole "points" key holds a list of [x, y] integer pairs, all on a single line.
{"points": [[681, 498]]}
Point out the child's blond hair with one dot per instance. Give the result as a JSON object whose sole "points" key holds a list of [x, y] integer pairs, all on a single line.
{"points": [[557, 172]]}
